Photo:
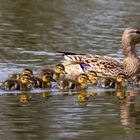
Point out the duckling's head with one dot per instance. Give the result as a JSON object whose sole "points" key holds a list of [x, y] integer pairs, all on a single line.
{"points": [[59, 69], [47, 77], [82, 78], [27, 71], [92, 75], [121, 78], [25, 79]]}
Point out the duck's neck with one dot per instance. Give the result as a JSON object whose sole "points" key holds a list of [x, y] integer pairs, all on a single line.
{"points": [[129, 49], [131, 61]]}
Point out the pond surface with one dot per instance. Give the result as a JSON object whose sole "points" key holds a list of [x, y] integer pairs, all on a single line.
{"points": [[31, 35]]}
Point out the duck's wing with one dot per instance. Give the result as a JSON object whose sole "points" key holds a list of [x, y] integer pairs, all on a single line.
{"points": [[105, 66]]}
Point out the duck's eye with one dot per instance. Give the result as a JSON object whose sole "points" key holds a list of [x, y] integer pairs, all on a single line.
{"points": [[138, 32]]}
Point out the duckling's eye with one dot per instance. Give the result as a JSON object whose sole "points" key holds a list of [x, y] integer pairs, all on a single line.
{"points": [[138, 32]]}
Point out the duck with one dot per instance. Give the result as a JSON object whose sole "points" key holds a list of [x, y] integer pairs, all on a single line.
{"points": [[43, 81], [23, 83], [80, 83], [119, 82], [106, 66], [92, 75], [57, 73]]}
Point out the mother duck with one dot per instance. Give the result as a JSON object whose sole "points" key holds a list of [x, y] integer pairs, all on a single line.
{"points": [[106, 66]]}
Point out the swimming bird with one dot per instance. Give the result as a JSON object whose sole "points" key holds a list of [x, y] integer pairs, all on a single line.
{"points": [[80, 83], [106, 66], [119, 82], [23, 83], [57, 73], [43, 81]]}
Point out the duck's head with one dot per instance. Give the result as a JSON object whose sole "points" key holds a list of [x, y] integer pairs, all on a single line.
{"points": [[121, 78], [59, 69], [130, 37], [47, 77], [82, 78], [27, 71], [25, 79], [92, 75]]}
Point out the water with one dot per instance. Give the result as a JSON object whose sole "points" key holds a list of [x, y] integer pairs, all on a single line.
{"points": [[31, 34]]}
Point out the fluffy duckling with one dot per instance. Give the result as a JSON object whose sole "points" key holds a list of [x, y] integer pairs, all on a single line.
{"points": [[24, 83], [92, 75], [44, 81], [16, 76], [58, 73], [80, 83], [119, 82]]}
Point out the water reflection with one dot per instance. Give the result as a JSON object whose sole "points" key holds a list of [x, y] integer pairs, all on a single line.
{"points": [[70, 115], [129, 113]]}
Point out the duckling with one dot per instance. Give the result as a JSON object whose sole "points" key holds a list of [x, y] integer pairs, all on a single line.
{"points": [[80, 83], [24, 83], [45, 80], [57, 73], [92, 75], [119, 82], [16, 76]]}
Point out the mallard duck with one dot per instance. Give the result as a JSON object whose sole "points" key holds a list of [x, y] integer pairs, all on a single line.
{"points": [[107, 66], [80, 82], [24, 83], [118, 82], [58, 72]]}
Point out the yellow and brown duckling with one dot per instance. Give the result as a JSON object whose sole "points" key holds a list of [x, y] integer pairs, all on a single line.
{"points": [[119, 82], [58, 72], [92, 75], [44, 81], [24, 83], [80, 83]]}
